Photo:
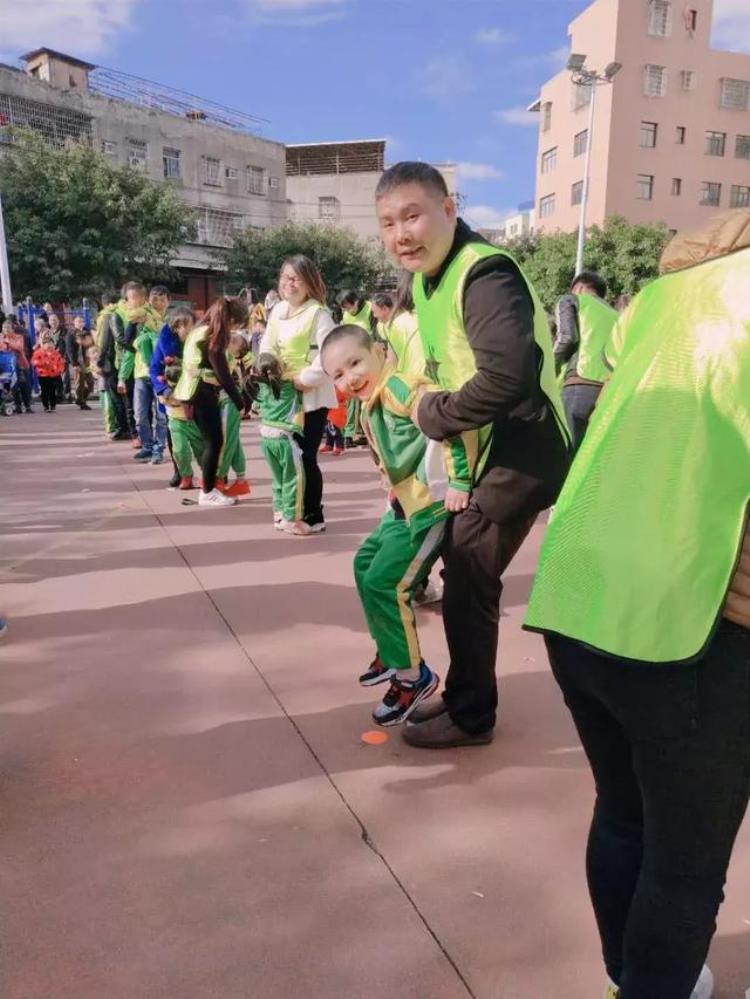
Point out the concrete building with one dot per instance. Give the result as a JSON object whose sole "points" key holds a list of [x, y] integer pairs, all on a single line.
{"points": [[334, 183], [209, 154], [671, 139]]}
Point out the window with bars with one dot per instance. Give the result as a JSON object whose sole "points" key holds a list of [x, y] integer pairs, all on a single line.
{"points": [[217, 227], [576, 193], [581, 95], [735, 94], [742, 147], [547, 116], [137, 152], [739, 196], [256, 180], [329, 208], [547, 206], [171, 163], [644, 187], [211, 171], [676, 186], [680, 134], [660, 19], [655, 81], [581, 143], [649, 130], [688, 79], [715, 143], [710, 194], [549, 160]]}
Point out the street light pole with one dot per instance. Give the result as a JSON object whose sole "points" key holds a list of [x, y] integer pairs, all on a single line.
{"points": [[4, 269], [588, 78]]}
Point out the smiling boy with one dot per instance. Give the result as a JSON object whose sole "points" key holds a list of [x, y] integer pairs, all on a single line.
{"points": [[426, 484], [488, 346]]}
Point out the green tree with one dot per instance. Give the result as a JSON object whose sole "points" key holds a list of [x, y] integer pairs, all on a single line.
{"points": [[627, 257], [77, 225], [344, 260]]}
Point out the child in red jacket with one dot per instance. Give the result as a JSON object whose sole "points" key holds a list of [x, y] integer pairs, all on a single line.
{"points": [[49, 367], [333, 438]]}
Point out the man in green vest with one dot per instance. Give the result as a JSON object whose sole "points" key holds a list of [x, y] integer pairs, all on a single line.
{"points": [[488, 346], [642, 594], [584, 326]]}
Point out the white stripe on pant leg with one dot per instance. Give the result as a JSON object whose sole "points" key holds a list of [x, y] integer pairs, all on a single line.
{"points": [[432, 540]]}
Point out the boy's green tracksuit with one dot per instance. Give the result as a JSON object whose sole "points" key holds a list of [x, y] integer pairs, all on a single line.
{"points": [[282, 420], [232, 456], [400, 553], [362, 318], [187, 442]]}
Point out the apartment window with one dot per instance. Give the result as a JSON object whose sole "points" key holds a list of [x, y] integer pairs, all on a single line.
{"points": [[655, 81], [171, 163], [710, 194], [688, 79], [514, 229], [217, 227], [547, 116], [715, 143], [329, 208], [739, 196], [660, 21], [735, 94], [581, 95], [137, 154], [110, 150], [211, 171], [742, 147], [648, 134], [691, 20], [256, 180], [549, 160], [576, 193], [644, 187], [676, 187], [581, 143], [547, 206], [680, 135]]}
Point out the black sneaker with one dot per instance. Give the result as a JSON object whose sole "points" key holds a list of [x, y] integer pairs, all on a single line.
{"points": [[349, 443], [377, 673], [175, 481], [403, 697]]}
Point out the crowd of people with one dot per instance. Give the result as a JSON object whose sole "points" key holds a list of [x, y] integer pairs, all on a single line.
{"points": [[633, 427]]}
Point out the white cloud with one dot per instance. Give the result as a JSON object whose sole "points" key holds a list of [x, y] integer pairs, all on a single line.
{"points": [[80, 27], [296, 13], [486, 217], [494, 36], [446, 79], [517, 116], [479, 171], [554, 60], [731, 27]]}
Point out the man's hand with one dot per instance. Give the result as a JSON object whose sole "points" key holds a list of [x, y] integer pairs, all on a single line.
{"points": [[456, 500], [121, 389]]}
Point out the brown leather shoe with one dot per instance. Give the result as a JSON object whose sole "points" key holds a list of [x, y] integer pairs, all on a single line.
{"points": [[424, 712], [441, 732]]}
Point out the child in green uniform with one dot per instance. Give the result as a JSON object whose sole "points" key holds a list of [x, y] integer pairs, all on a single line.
{"points": [[232, 458], [282, 420], [356, 311], [427, 483]]}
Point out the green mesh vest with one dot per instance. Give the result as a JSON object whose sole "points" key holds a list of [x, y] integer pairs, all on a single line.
{"points": [[449, 358], [596, 320], [640, 551], [193, 371]]}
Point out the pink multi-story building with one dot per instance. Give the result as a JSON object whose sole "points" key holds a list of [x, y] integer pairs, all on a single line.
{"points": [[671, 136]]}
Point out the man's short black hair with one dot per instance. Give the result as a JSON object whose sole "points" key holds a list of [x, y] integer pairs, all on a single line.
{"points": [[352, 330], [412, 172], [592, 280], [159, 289]]}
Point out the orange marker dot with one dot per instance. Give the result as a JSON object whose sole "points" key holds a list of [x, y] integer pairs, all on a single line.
{"points": [[374, 738]]}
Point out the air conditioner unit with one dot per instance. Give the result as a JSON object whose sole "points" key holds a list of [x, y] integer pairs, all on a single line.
{"points": [[135, 161], [231, 173], [273, 183]]}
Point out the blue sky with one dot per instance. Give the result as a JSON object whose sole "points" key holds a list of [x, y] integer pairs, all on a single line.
{"points": [[443, 80]]}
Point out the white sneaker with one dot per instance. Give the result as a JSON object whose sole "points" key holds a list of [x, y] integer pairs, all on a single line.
{"points": [[704, 987], [215, 498], [278, 520], [431, 594]]}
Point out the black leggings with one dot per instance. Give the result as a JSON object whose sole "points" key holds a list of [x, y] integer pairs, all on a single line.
{"points": [[48, 389], [208, 420], [315, 424]]}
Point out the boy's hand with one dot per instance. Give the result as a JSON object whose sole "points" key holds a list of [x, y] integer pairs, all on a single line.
{"points": [[456, 500], [301, 387], [121, 389]]}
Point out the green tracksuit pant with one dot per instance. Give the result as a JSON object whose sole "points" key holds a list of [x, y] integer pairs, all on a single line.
{"points": [[232, 453], [108, 413], [353, 426], [388, 567], [187, 443], [284, 458]]}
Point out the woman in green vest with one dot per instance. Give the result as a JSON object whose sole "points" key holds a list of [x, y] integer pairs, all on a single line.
{"points": [[205, 374], [296, 329], [643, 595]]}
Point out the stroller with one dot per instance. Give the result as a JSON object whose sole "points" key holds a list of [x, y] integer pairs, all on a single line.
{"points": [[8, 379]]}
